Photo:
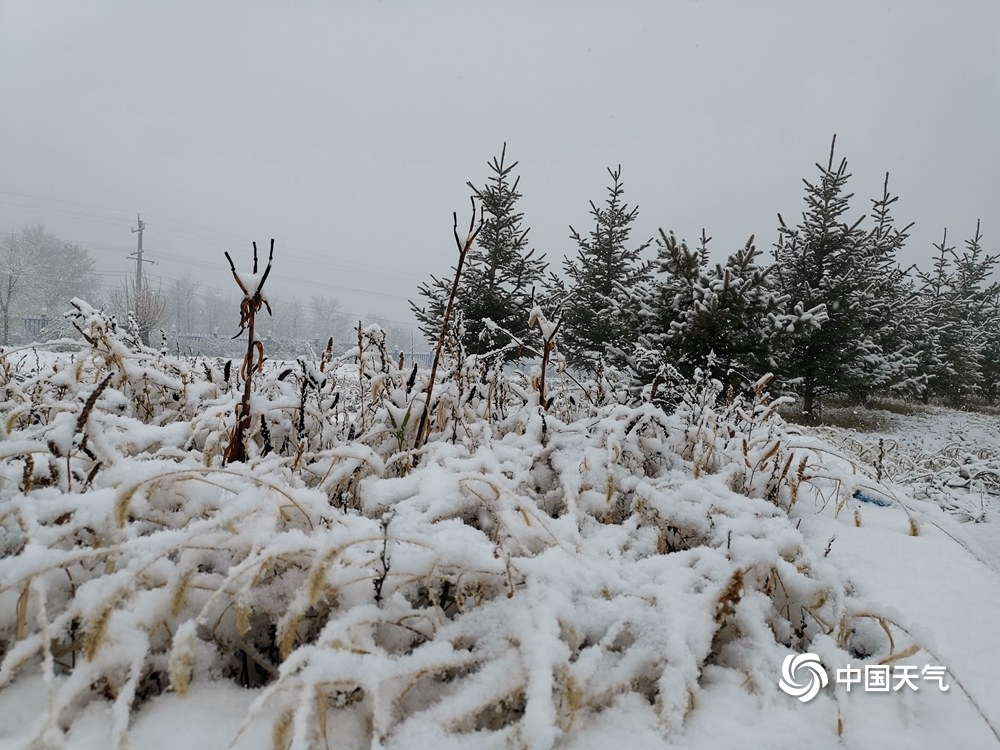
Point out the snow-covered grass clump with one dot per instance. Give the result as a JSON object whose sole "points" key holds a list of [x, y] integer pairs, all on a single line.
{"points": [[507, 580]]}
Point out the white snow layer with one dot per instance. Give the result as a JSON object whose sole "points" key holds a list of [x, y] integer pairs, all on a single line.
{"points": [[594, 576]]}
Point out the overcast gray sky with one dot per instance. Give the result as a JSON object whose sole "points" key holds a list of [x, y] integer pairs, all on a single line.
{"points": [[347, 130]]}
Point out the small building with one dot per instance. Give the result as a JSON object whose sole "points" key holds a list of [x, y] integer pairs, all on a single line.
{"points": [[35, 324]]}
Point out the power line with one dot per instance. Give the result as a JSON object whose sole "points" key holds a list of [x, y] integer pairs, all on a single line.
{"points": [[61, 214], [313, 283], [292, 252], [59, 200], [349, 264]]}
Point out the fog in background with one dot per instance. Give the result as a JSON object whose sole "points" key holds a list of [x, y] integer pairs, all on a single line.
{"points": [[347, 130]]}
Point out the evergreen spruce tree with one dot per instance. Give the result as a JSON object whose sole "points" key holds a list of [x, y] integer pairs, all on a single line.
{"points": [[885, 299], [659, 305], [825, 261], [723, 318], [602, 276], [960, 321], [496, 292], [940, 324], [991, 358]]}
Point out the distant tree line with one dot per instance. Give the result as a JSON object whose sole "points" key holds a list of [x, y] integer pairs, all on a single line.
{"points": [[830, 312], [40, 273]]}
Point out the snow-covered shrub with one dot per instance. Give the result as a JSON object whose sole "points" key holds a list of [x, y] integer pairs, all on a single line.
{"points": [[950, 463], [535, 562]]}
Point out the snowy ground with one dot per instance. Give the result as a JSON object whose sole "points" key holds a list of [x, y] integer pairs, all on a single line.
{"points": [[623, 579]]}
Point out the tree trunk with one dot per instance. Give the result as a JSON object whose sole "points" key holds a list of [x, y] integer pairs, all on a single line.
{"points": [[809, 400]]}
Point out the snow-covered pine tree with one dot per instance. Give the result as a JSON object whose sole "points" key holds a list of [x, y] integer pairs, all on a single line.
{"points": [[723, 318], [988, 313], [940, 326], [960, 318], [500, 274], [741, 313], [651, 307], [991, 358], [981, 297], [601, 277], [887, 306], [822, 262]]}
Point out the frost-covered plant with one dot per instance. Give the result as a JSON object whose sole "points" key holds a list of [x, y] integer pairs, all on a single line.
{"points": [[546, 554], [252, 286], [957, 472]]}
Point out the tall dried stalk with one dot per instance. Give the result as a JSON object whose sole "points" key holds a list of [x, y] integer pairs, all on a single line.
{"points": [[548, 333], [252, 302], [463, 251]]}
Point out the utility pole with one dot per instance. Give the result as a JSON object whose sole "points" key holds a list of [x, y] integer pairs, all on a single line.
{"points": [[138, 258], [146, 307]]}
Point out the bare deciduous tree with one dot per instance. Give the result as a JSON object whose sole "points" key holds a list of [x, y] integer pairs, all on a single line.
{"points": [[186, 291], [40, 273], [14, 267], [147, 306]]}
